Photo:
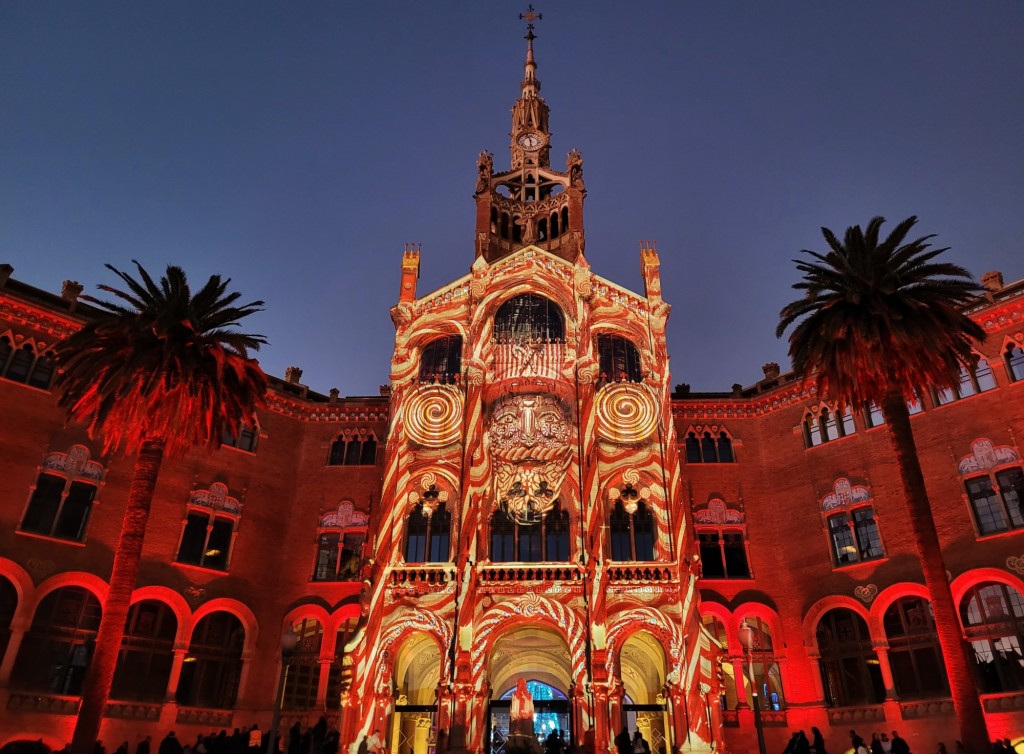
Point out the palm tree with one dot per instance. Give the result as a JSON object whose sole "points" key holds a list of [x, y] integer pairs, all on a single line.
{"points": [[881, 322], [160, 372]]}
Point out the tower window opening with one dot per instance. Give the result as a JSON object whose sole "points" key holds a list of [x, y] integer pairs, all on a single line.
{"points": [[632, 534], [517, 233], [504, 225], [619, 359], [441, 360], [544, 541], [542, 230], [529, 318], [554, 225], [565, 219], [494, 220]]}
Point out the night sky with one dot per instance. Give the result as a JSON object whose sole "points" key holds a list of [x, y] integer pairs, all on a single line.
{"points": [[295, 146]]}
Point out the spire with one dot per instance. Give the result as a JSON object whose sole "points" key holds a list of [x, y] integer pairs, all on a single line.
{"points": [[531, 86]]}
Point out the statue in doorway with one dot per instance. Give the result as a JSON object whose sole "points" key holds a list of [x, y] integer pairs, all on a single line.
{"points": [[522, 709]]}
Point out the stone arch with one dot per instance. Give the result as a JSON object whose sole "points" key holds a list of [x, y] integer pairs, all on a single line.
{"points": [[757, 610], [530, 609], [415, 621], [88, 581], [885, 600], [173, 600], [23, 587], [236, 608], [666, 632], [822, 606], [975, 576]]}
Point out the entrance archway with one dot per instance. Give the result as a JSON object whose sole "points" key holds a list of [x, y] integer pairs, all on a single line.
{"points": [[417, 677], [540, 657], [642, 672]]}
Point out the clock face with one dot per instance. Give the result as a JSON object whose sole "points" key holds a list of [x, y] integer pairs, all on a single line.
{"points": [[530, 141]]}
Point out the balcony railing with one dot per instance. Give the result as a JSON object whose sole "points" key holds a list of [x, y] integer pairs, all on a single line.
{"points": [[646, 572], [515, 572], [1003, 702], [53, 704], [912, 710], [419, 573], [217, 718]]}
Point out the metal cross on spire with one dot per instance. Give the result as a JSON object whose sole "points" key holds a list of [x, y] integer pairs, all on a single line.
{"points": [[530, 16]]}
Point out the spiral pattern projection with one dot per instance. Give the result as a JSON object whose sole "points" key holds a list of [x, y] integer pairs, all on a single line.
{"points": [[433, 416], [626, 413]]}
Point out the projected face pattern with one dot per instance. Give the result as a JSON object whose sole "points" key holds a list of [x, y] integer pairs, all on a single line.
{"points": [[530, 439]]}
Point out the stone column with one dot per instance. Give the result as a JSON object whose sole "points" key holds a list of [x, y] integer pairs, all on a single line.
{"points": [[421, 739], [739, 674], [325, 677], [396, 726], [886, 668], [18, 629], [175, 677]]}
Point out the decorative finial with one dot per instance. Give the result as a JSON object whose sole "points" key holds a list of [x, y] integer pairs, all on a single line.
{"points": [[530, 16]]}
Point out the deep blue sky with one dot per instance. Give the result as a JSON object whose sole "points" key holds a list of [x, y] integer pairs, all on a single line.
{"points": [[295, 146]]}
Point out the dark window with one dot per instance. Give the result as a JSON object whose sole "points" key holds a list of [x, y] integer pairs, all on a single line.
{"points": [[59, 507], [914, 653], [619, 359], [632, 534], [5, 353], [55, 653], [529, 317], [8, 606], [725, 448], [245, 439], [692, 448], [993, 618], [735, 548], [709, 448], [144, 663], [828, 425], [723, 555], [711, 558], [1015, 362], [546, 540], [303, 675], [850, 672], [708, 451], [206, 540], [21, 364], [428, 538], [353, 451], [996, 511], [213, 665], [854, 536], [42, 372], [339, 555]]}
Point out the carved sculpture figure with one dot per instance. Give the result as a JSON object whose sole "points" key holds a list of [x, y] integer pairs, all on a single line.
{"points": [[485, 167], [522, 710]]}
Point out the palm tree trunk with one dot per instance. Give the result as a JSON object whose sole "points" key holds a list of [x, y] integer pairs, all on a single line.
{"points": [[966, 702], [96, 688]]}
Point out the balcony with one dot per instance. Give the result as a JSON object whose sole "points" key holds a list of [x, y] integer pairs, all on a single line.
{"points": [[868, 713], [51, 704], [214, 718], [1003, 702], [422, 574], [913, 710], [517, 572]]}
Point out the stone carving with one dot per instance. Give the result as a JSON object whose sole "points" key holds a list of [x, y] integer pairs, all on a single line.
{"points": [[717, 513], [216, 498], [74, 463], [530, 437], [985, 455], [1016, 564], [844, 493], [343, 517], [194, 595], [866, 593]]}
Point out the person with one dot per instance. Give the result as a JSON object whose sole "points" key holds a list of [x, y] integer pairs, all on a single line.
{"points": [[1010, 748], [255, 739], [295, 738], [886, 743], [941, 749], [319, 735], [374, 744], [170, 745], [859, 747], [553, 744], [122, 749], [802, 746], [817, 742], [876, 744], [791, 744], [622, 742], [998, 748], [959, 748], [441, 742], [899, 745], [640, 745], [145, 745]]}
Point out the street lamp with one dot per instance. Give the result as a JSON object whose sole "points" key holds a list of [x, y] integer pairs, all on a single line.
{"points": [[288, 641], [746, 637]]}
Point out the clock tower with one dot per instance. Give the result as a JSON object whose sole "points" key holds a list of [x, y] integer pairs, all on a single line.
{"points": [[531, 203]]}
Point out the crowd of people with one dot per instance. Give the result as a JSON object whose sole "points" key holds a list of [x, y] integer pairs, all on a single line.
{"points": [[880, 744]]}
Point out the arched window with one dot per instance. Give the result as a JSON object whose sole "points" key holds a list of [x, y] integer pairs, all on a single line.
{"points": [[345, 631], [728, 699], [565, 219], [529, 317], [61, 501], [632, 534], [42, 372], [303, 677], [1014, 357], [55, 653], [554, 225], [850, 672], [914, 653], [144, 664], [974, 379], [213, 665], [619, 359], [428, 536], [827, 425], [340, 544], [706, 444], [353, 447], [545, 541], [20, 365], [767, 676], [208, 532], [441, 360], [993, 618], [8, 606]]}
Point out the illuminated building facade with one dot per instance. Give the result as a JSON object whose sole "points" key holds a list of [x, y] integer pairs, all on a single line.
{"points": [[527, 499]]}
